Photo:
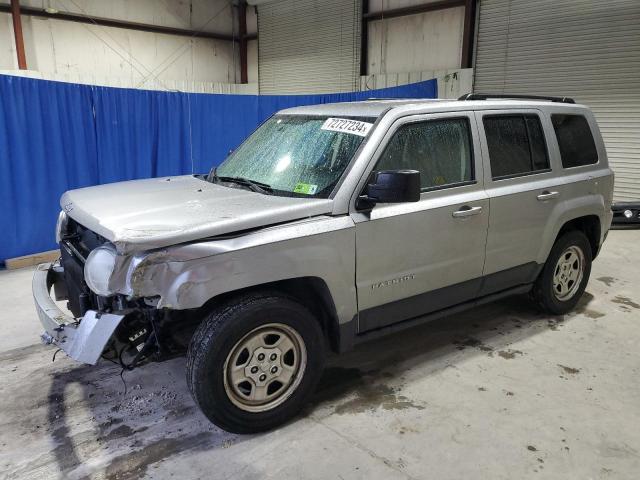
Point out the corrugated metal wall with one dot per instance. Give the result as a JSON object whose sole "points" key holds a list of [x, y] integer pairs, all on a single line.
{"points": [[309, 46], [452, 83], [414, 43], [130, 58], [185, 85], [585, 49]]}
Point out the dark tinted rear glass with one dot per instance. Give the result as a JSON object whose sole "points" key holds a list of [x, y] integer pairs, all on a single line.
{"points": [[539, 160], [577, 146], [516, 145]]}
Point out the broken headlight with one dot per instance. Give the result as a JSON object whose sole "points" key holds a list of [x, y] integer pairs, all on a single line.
{"points": [[61, 226], [98, 269]]}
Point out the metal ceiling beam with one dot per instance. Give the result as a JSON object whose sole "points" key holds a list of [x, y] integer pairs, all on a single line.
{"points": [[242, 31], [364, 39], [109, 22], [14, 8], [468, 35], [401, 12]]}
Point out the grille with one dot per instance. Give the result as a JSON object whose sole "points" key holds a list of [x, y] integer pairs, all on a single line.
{"points": [[75, 247]]}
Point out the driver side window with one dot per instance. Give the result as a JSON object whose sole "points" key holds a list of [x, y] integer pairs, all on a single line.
{"points": [[441, 150]]}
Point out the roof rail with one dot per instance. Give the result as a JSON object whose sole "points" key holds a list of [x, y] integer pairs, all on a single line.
{"points": [[373, 99], [485, 96]]}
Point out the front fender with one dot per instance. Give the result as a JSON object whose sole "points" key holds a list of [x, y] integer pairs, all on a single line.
{"points": [[188, 276]]}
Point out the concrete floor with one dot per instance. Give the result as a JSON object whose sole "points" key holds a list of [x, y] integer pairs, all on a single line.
{"points": [[498, 392]]}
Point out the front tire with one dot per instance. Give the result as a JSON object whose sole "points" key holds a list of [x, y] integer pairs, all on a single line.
{"points": [[565, 274], [253, 362]]}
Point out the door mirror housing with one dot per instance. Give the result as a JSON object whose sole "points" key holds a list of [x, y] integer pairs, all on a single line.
{"points": [[392, 186]]}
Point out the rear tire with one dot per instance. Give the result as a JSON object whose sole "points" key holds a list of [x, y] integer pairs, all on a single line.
{"points": [[253, 362], [565, 274]]}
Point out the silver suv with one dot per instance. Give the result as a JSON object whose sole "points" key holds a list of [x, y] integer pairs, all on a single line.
{"points": [[330, 225]]}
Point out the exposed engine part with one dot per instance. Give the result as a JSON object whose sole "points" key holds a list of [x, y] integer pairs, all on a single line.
{"points": [[134, 340], [149, 335]]}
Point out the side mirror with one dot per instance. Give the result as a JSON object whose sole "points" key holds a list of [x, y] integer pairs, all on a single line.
{"points": [[392, 186]]}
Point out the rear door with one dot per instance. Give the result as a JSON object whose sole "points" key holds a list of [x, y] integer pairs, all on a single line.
{"points": [[416, 258], [524, 190]]}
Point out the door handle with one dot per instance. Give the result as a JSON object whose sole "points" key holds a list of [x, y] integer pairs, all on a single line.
{"points": [[466, 211], [547, 195]]}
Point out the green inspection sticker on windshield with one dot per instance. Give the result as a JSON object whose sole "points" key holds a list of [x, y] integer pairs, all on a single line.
{"points": [[305, 188]]}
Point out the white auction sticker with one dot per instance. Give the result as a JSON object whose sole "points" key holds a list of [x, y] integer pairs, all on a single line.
{"points": [[344, 125]]}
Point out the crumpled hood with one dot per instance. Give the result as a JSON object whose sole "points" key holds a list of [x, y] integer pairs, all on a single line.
{"points": [[158, 212]]}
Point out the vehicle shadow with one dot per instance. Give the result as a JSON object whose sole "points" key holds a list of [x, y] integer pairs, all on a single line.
{"points": [[128, 432], [486, 330], [157, 418]]}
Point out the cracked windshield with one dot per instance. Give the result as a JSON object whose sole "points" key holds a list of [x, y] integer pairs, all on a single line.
{"points": [[295, 155]]}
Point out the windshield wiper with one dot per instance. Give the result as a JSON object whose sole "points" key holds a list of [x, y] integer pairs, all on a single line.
{"points": [[251, 184]]}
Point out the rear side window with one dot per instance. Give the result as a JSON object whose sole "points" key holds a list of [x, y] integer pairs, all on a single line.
{"points": [[439, 149], [516, 145], [575, 140]]}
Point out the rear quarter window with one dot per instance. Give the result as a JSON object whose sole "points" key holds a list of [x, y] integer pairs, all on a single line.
{"points": [[516, 145], [577, 146]]}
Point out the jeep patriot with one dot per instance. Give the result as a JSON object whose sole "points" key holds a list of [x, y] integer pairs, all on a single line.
{"points": [[328, 226]]}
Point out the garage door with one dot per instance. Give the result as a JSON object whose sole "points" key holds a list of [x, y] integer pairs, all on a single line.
{"points": [[309, 46], [584, 49]]}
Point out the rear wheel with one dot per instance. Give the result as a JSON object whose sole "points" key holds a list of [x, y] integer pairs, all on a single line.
{"points": [[253, 363], [565, 274]]}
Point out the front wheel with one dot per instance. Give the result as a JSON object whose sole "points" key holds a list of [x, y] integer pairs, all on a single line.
{"points": [[253, 363], [565, 274]]}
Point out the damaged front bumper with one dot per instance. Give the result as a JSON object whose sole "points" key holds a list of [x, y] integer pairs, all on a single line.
{"points": [[83, 339]]}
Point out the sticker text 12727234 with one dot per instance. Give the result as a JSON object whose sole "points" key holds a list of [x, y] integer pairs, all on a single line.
{"points": [[344, 125]]}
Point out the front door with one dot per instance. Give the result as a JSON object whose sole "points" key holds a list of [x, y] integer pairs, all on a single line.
{"points": [[417, 258]]}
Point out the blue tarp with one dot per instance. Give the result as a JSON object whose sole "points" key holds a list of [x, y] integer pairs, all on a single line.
{"points": [[58, 136]]}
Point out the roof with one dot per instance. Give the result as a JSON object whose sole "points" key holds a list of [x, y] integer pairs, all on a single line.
{"points": [[374, 108], [366, 108]]}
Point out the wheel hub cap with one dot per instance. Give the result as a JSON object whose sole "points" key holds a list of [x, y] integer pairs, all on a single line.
{"points": [[568, 273], [265, 367]]}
